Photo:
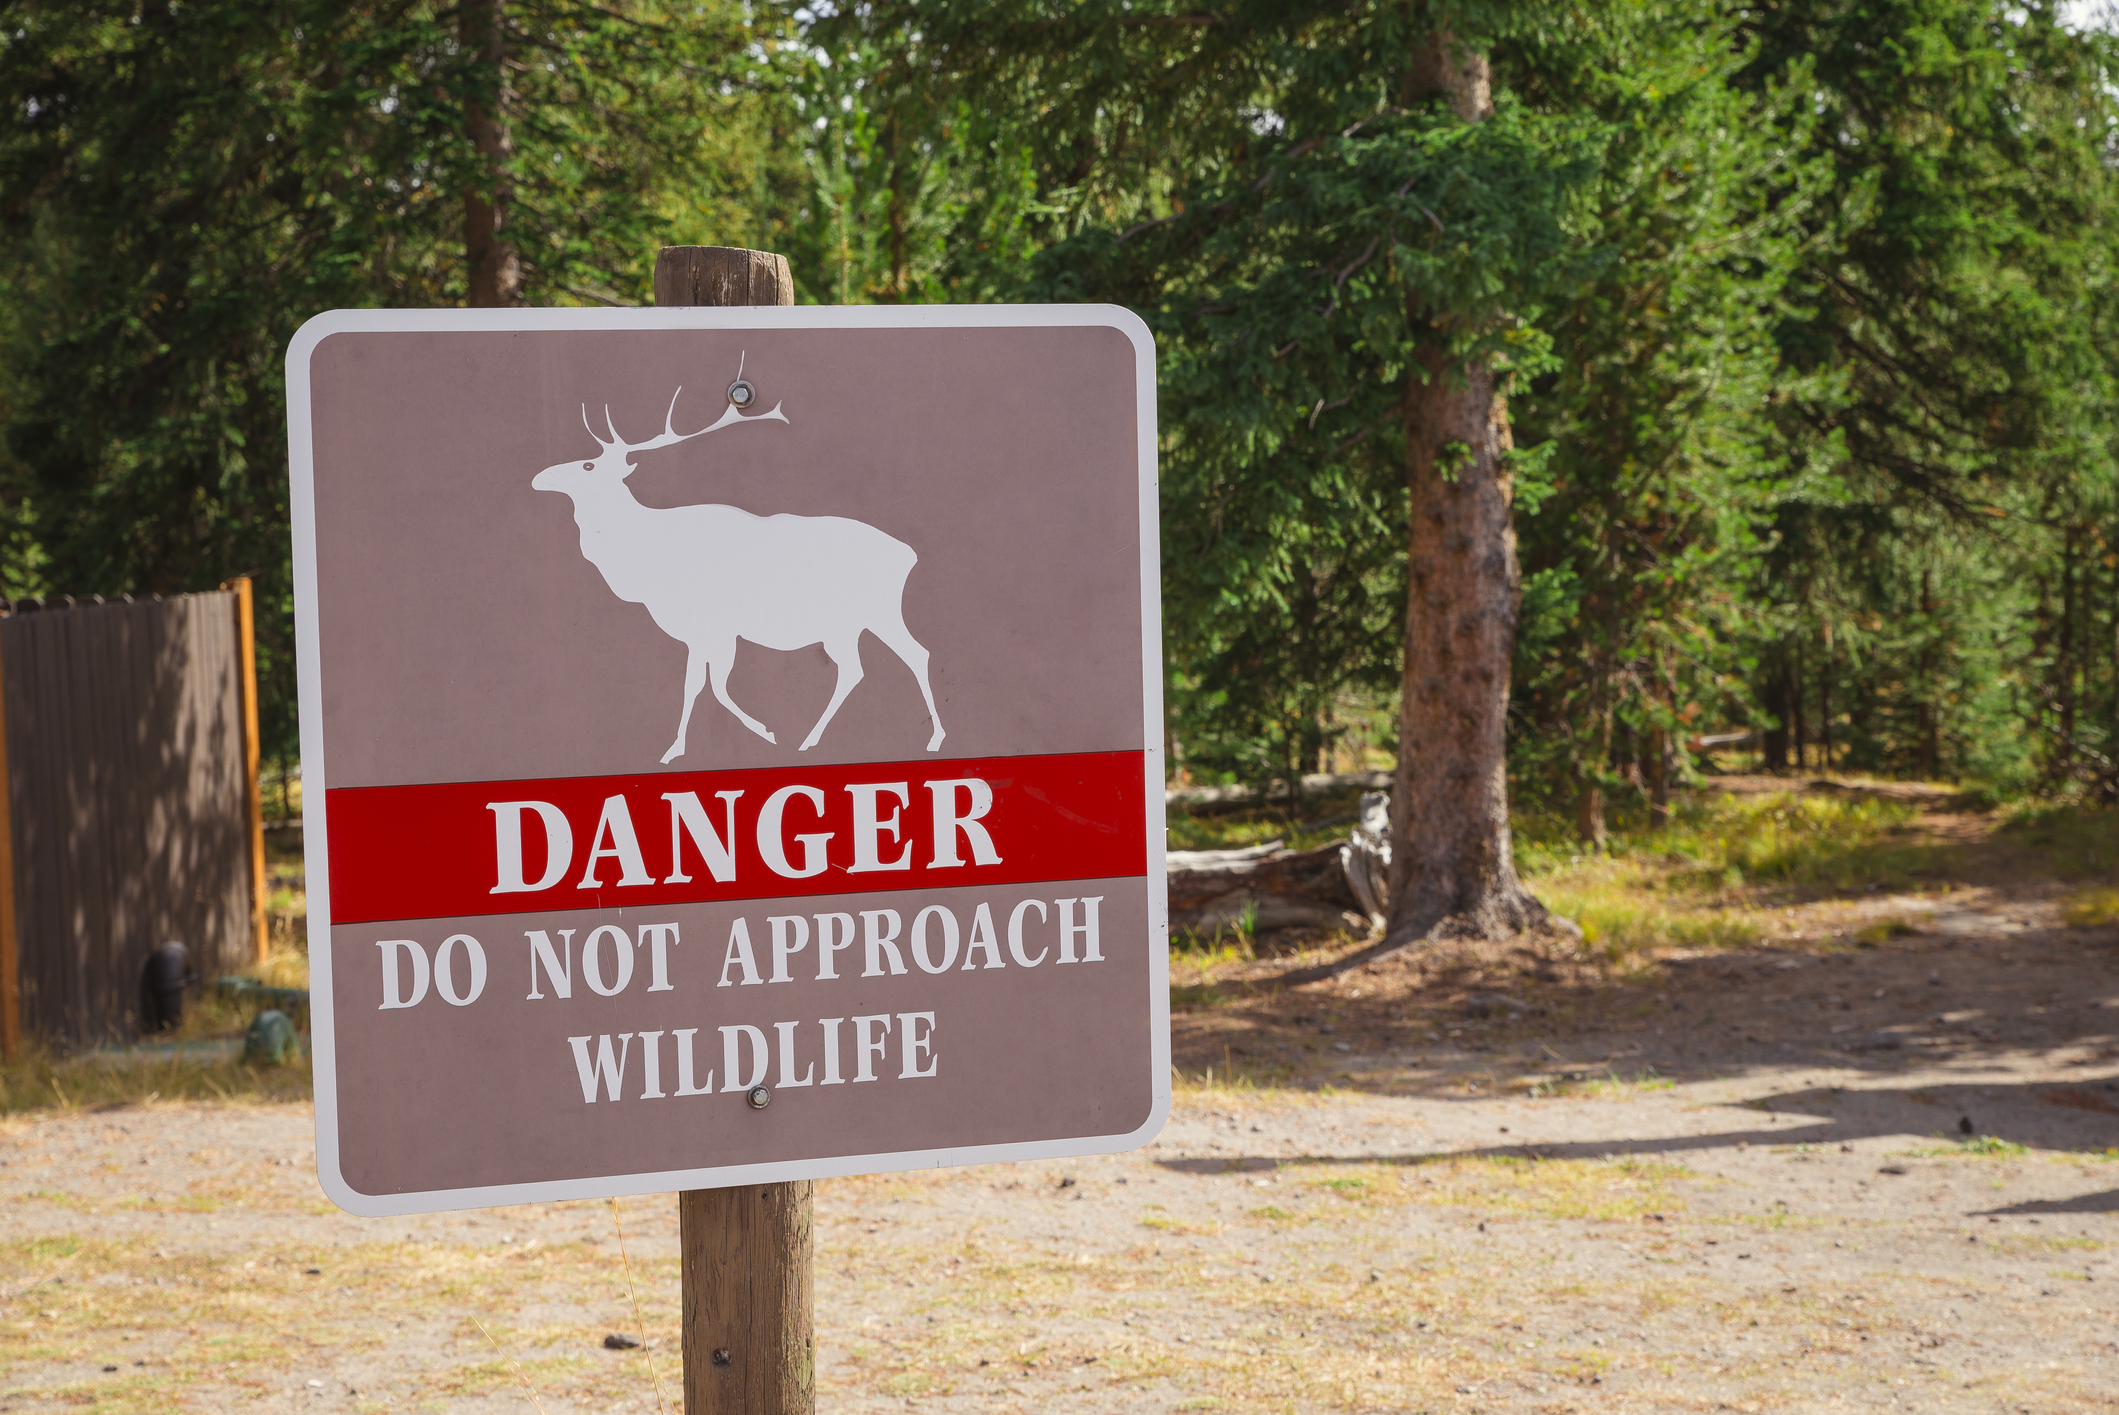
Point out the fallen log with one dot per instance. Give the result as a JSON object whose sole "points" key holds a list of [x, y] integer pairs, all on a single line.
{"points": [[1204, 800], [1335, 886], [1285, 888]]}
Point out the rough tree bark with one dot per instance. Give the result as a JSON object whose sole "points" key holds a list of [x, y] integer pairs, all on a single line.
{"points": [[1659, 751], [1795, 697], [1453, 874], [1452, 870], [1930, 714], [495, 268], [1774, 751], [1824, 701], [1589, 822]]}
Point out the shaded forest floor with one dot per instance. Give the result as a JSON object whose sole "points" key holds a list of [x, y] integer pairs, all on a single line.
{"points": [[1770, 923], [1812, 1146]]}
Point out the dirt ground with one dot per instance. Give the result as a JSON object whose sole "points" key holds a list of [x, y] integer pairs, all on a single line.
{"points": [[1870, 1164]]}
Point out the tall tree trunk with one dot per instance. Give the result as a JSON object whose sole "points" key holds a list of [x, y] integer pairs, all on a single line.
{"points": [[1452, 870], [1589, 817], [2064, 661], [1453, 874], [1824, 701], [1929, 722], [2113, 720], [1773, 753], [896, 213], [1795, 653], [495, 269], [1590, 821], [1658, 778]]}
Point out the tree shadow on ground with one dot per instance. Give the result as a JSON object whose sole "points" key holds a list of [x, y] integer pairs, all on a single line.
{"points": [[1469, 1020], [2104, 1203], [2040, 1116]]}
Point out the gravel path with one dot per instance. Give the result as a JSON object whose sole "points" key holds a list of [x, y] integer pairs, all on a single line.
{"points": [[1738, 1183]]}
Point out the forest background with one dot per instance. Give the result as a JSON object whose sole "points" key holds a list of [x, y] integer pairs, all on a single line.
{"points": [[1804, 311]]}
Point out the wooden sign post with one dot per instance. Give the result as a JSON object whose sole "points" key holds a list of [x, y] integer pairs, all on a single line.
{"points": [[749, 1252]]}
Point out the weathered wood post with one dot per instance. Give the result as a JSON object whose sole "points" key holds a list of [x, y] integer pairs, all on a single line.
{"points": [[749, 1252]]}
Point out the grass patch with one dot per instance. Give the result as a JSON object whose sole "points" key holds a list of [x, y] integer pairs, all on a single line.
{"points": [[1718, 842], [2093, 908], [208, 1322], [1617, 1189], [1626, 910], [40, 1080], [46, 1078], [2077, 842], [1978, 1147], [1199, 963], [1228, 1079], [1200, 953], [1613, 1087], [284, 967], [1701, 883], [1714, 841], [2027, 1244]]}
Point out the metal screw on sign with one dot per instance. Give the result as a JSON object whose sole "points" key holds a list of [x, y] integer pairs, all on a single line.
{"points": [[741, 395], [759, 1098]]}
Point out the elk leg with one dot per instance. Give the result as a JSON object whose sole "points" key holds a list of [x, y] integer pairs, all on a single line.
{"points": [[847, 655], [905, 646], [694, 680], [717, 668]]}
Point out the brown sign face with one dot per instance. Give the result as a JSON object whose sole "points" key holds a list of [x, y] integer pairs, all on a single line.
{"points": [[731, 743]]}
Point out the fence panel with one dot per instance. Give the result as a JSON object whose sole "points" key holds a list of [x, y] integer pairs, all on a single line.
{"points": [[130, 810]]}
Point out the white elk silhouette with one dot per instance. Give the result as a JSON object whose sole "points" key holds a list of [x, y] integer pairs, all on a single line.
{"points": [[711, 575]]}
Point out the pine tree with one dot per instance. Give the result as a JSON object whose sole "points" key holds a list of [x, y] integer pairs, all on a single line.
{"points": [[182, 185]]}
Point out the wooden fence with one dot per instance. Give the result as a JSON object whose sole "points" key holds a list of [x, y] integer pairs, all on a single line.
{"points": [[130, 757]]}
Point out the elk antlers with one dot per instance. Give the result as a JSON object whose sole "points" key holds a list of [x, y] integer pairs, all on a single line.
{"points": [[669, 436]]}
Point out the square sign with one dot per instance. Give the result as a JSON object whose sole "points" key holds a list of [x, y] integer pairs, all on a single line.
{"points": [[732, 744]]}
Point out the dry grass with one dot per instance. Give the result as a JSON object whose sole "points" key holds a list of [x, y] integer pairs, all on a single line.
{"points": [[1704, 882], [286, 966], [40, 1079], [184, 1325], [1611, 1190], [2093, 908], [1707, 880], [2071, 841], [1357, 1286], [1626, 910], [1224, 1310], [193, 1062]]}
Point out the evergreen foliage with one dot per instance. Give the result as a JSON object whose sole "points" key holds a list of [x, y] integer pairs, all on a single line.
{"points": [[1935, 590], [182, 185], [1803, 309]]}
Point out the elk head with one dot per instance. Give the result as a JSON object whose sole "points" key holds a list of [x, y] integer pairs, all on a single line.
{"points": [[614, 463]]}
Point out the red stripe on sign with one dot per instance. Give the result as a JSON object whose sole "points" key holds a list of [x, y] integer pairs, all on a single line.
{"points": [[601, 842]]}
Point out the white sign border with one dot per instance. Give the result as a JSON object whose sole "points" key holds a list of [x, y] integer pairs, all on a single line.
{"points": [[309, 681]]}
